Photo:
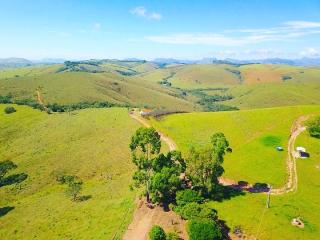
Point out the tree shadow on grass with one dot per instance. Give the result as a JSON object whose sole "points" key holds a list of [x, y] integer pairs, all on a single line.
{"points": [[12, 179], [5, 210], [224, 229], [221, 193], [84, 198]]}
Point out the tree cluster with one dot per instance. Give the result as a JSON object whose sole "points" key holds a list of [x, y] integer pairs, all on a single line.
{"points": [[314, 127], [159, 173], [161, 176]]}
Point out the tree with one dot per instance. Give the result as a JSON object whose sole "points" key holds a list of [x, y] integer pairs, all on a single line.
{"points": [[74, 185], [74, 188], [9, 110], [145, 147], [314, 127], [204, 165], [166, 180], [5, 167], [186, 196], [164, 184], [157, 233], [204, 229]]}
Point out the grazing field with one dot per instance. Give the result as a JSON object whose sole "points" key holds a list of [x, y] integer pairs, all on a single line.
{"points": [[250, 213], [91, 144], [172, 87], [75, 86], [253, 136]]}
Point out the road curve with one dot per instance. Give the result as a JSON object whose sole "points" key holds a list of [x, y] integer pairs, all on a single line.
{"points": [[292, 180], [171, 144]]}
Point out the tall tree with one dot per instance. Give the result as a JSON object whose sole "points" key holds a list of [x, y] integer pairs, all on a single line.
{"points": [[204, 165], [145, 147], [166, 180]]}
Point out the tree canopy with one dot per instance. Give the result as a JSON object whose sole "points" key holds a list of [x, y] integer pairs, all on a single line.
{"points": [[204, 165], [145, 147], [314, 127]]}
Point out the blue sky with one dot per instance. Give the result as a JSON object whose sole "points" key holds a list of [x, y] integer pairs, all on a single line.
{"points": [[188, 29]]}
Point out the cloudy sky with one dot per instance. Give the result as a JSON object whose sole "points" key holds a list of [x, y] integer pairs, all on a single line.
{"points": [[79, 29]]}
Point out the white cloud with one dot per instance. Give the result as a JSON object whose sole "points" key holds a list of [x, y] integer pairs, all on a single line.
{"points": [[143, 12], [302, 24], [238, 37], [96, 27], [310, 52]]}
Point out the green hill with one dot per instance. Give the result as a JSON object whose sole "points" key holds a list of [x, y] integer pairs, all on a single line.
{"points": [[91, 144], [189, 87], [253, 136]]}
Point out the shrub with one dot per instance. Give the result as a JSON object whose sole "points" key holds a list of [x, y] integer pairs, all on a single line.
{"points": [[9, 110], [314, 127], [173, 236], [196, 210], [157, 233], [188, 196], [204, 229]]}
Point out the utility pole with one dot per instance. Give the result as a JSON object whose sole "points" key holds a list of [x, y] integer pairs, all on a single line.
{"points": [[268, 198]]}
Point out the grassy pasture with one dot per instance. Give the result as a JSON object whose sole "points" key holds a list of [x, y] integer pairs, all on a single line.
{"points": [[73, 87], [275, 223], [253, 135], [137, 83], [92, 144]]}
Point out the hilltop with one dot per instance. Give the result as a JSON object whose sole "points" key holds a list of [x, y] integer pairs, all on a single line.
{"points": [[168, 87]]}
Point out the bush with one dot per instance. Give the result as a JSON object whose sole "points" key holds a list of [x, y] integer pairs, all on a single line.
{"points": [[188, 196], [196, 210], [314, 127], [204, 229], [157, 233], [173, 236], [9, 110]]}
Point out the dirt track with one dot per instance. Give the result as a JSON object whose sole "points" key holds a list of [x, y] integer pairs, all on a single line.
{"points": [[292, 180], [171, 144], [145, 218]]}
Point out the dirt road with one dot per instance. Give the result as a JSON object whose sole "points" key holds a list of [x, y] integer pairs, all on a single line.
{"points": [[292, 182], [145, 218], [171, 144]]}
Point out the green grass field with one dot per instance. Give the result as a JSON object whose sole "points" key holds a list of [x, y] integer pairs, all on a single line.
{"points": [[73, 87], [253, 136], [275, 222], [138, 84], [91, 144]]}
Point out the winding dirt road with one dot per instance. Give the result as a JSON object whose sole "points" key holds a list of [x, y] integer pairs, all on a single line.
{"points": [[292, 180], [145, 218], [171, 144]]}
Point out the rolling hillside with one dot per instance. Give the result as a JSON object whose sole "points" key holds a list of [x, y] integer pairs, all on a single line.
{"points": [[86, 82], [91, 144], [253, 136], [182, 87]]}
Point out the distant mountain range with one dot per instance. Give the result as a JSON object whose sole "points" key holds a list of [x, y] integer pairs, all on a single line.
{"points": [[22, 62], [294, 62]]}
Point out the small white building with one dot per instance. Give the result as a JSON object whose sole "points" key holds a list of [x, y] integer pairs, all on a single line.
{"points": [[301, 149], [302, 152]]}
